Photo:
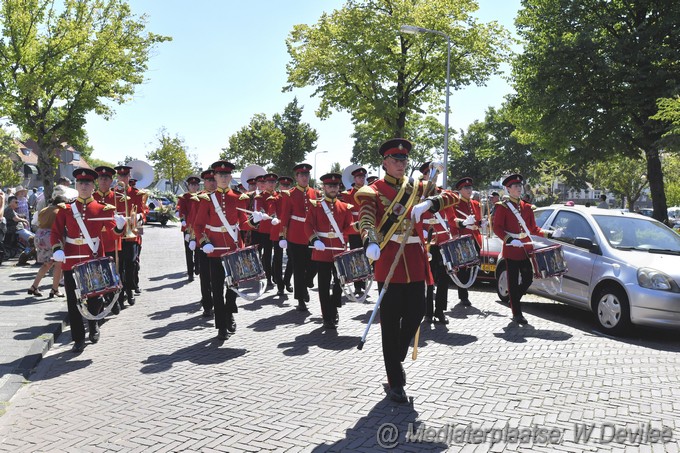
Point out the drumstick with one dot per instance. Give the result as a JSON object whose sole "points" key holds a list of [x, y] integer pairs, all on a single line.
{"points": [[222, 248], [264, 216], [102, 218], [328, 248], [74, 257], [414, 355]]}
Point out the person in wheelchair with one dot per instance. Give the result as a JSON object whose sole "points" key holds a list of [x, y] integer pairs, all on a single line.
{"points": [[14, 223]]}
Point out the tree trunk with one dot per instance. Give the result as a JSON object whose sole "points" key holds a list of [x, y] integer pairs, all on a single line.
{"points": [[656, 185], [47, 165]]}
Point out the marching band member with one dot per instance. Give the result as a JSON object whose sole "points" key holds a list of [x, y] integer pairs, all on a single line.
{"points": [[216, 228], [262, 237], [134, 200], [184, 205], [329, 220], [280, 278], [140, 221], [514, 223], [384, 207], [209, 186], [104, 195], [76, 239], [468, 220], [295, 204], [347, 196]]}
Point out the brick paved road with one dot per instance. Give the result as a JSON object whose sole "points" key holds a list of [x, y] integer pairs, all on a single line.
{"points": [[159, 381]]}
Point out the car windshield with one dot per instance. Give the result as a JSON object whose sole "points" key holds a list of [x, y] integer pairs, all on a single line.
{"points": [[632, 233]]}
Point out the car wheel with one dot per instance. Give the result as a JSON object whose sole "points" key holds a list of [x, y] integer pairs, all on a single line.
{"points": [[502, 282], [612, 311]]}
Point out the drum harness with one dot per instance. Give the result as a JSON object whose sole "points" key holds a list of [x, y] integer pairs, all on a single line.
{"points": [[233, 233], [90, 242]]}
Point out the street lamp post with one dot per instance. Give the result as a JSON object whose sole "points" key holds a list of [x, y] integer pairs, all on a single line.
{"points": [[316, 154], [414, 30]]}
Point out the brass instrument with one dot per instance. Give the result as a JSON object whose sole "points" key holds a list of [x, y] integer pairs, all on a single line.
{"points": [[130, 217]]}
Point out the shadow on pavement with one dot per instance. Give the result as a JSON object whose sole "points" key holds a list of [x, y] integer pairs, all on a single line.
{"points": [[191, 307], [174, 285], [194, 323], [63, 363], [293, 317], [320, 338], [514, 333], [440, 333], [207, 352], [260, 303], [173, 276], [384, 428]]}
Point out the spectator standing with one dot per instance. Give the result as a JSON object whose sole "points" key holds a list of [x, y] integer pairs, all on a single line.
{"points": [[603, 202], [22, 199], [44, 248]]}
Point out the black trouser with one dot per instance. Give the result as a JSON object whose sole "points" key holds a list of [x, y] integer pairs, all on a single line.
{"points": [[302, 257], [224, 300], [441, 280], [355, 243], [264, 244], [290, 265], [128, 256], [401, 312], [277, 265], [464, 276], [204, 276], [94, 306], [137, 265], [329, 302], [189, 258], [516, 290]]}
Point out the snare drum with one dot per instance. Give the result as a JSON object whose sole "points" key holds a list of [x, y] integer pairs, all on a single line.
{"points": [[459, 253], [352, 266], [242, 265], [548, 262], [96, 277]]}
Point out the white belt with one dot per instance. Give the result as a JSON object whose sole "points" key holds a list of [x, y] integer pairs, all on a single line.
{"points": [[355, 213], [516, 235], [330, 235], [82, 241], [432, 221], [216, 229], [299, 219], [410, 240]]}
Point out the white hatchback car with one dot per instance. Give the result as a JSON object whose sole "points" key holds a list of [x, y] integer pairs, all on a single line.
{"points": [[623, 267]]}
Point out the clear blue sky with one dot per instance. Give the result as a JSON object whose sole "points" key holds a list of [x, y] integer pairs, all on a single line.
{"points": [[227, 62]]}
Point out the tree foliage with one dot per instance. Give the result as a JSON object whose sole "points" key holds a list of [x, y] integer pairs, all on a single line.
{"points": [[590, 75], [299, 139], [10, 172], [671, 167], [359, 62], [623, 176], [60, 60], [171, 159]]}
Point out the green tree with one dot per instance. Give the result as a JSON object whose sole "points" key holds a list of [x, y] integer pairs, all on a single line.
{"points": [[170, 159], [671, 168], [96, 162], [590, 75], [623, 176], [257, 143], [61, 60], [669, 112], [299, 139], [10, 171], [359, 62]]}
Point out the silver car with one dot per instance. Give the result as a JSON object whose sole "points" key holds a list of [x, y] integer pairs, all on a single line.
{"points": [[623, 267]]}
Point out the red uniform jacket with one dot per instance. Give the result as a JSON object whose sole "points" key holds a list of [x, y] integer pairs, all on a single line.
{"points": [[373, 201], [135, 198], [507, 227], [462, 210], [66, 234], [294, 206], [318, 226], [208, 226], [273, 208], [184, 205], [112, 241], [348, 197], [191, 205], [262, 203]]}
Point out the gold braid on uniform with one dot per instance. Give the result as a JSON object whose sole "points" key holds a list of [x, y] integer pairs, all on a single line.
{"points": [[367, 213]]}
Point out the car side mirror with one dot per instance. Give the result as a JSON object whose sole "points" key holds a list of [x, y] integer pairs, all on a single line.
{"points": [[586, 243]]}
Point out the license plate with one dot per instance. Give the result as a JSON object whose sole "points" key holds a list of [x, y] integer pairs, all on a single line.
{"points": [[488, 267]]}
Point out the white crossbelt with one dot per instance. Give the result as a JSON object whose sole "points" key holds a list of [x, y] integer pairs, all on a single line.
{"points": [[410, 240], [355, 213], [299, 219]]}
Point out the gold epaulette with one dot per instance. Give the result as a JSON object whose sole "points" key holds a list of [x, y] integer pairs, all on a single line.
{"points": [[204, 196], [314, 202], [273, 197], [194, 197], [286, 192], [62, 205], [344, 192], [245, 196], [350, 206], [108, 207]]}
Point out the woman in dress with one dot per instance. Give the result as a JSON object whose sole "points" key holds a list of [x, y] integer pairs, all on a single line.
{"points": [[44, 249]]}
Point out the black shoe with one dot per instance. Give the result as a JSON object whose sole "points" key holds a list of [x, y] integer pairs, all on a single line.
{"points": [[79, 346], [121, 305], [131, 300], [310, 284], [519, 319], [191, 278], [231, 325], [329, 325], [441, 318], [466, 303], [222, 334], [337, 319], [208, 313], [307, 298], [270, 284], [301, 306], [115, 309], [397, 394], [289, 288], [428, 319], [138, 291], [280, 292], [94, 336]]}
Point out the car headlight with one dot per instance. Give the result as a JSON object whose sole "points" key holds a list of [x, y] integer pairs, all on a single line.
{"points": [[653, 279]]}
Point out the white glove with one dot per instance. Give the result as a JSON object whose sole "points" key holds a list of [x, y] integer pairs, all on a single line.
{"points": [[485, 223], [208, 248], [418, 210], [192, 245], [373, 251], [283, 244], [120, 221], [187, 237], [59, 256], [320, 246], [258, 216], [557, 233], [184, 223], [425, 234], [516, 243], [275, 221], [469, 220]]}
